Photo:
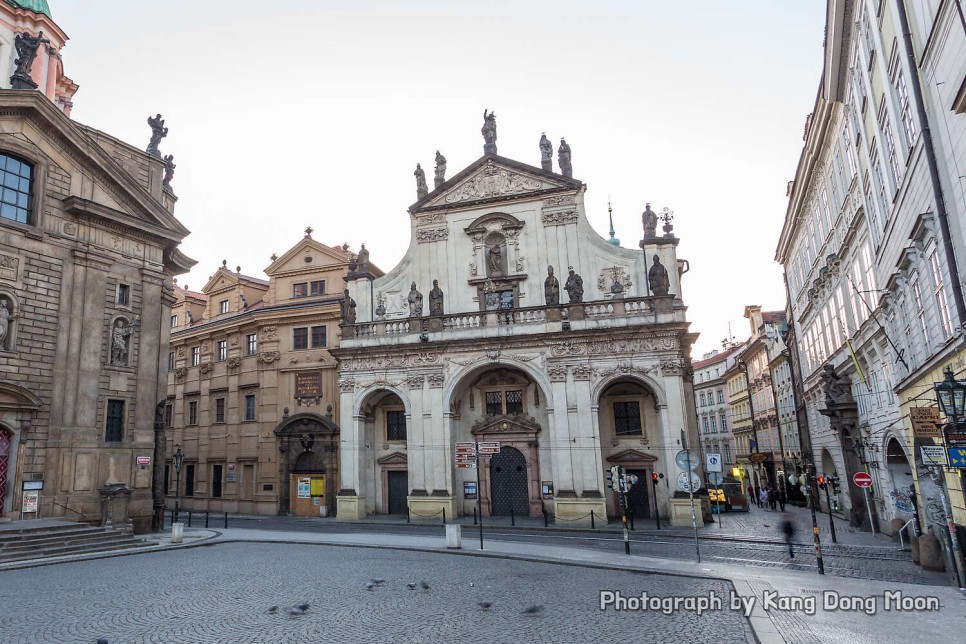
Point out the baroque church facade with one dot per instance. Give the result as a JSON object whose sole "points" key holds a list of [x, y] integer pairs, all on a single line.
{"points": [[511, 320]]}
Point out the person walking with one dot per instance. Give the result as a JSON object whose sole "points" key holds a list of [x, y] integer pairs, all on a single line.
{"points": [[772, 499], [787, 528], [763, 499], [752, 497], [782, 498]]}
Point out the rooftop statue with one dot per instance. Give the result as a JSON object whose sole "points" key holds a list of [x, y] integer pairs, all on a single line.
{"points": [[489, 133], [421, 188], [158, 132], [169, 167], [440, 177], [563, 159], [546, 153], [26, 46], [575, 287], [657, 278]]}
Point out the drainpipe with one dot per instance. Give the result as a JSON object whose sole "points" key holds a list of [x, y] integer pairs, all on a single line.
{"points": [[937, 191]]}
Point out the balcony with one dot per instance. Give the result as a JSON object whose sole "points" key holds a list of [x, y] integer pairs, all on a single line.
{"points": [[587, 316]]}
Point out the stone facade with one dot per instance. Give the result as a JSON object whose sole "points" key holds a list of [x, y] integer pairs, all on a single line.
{"points": [[85, 285], [569, 373], [253, 392], [711, 402]]}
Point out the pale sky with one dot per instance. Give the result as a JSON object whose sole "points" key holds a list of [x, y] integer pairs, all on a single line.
{"points": [[302, 113]]}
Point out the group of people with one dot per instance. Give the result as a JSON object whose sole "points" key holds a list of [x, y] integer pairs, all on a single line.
{"points": [[768, 498]]}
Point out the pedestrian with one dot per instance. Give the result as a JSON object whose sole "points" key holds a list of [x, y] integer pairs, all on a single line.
{"points": [[751, 495], [763, 499], [772, 499], [787, 528], [782, 498]]}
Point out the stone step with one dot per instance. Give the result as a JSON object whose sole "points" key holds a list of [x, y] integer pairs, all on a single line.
{"points": [[39, 535], [125, 544], [48, 541]]}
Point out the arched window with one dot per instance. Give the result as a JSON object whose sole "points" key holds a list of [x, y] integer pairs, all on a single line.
{"points": [[16, 177]]}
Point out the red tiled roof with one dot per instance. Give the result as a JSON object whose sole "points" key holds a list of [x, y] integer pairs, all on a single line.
{"points": [[772, 317], [714, 359], [180, 292]]}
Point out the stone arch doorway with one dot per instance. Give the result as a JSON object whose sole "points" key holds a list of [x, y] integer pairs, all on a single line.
{"points": [[5, 453], [900, 473], [640, 497], [308, 464], [385, 477], [509, 491]]}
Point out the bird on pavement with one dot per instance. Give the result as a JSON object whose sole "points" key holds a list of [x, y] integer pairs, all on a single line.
{"points": [[424, 585], [532, 610], [486, 605], [411, 586], [273, 610]]}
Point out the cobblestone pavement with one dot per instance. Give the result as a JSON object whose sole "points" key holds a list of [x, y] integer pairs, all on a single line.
{"points": [[223, 593]]}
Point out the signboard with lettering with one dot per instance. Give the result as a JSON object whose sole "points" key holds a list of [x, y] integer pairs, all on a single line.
{"points": [[933, 455], [925, 422], [712, 462], [308, 384], [31, 499], [318, 486], [957, 457], [304, 487]]}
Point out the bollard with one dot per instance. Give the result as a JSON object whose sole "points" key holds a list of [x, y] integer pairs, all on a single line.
{"points": [[474, 516], [444, 516], [226, 520], [545, 524], [206, 519], [407, 514], [172, 517], [189, 518], [630, 515], [513, 519], [592, 526]]}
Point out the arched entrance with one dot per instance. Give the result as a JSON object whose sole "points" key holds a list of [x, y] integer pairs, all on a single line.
{"points": [[308, 465], [640, 503], [508, 483], [900, 471], [4, 467]]}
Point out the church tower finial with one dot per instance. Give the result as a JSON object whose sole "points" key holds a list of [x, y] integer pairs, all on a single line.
{"points": [[610, 215]]}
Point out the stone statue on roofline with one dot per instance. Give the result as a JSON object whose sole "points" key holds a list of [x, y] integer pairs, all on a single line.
{"points": [[489, 132], [436, 299], [657, 278], [158, 132], [563, 159], [421, 188], [169, 167], [439, 178], [415, 299], [551, 288], [574, 287], [546, 153], [26, 46]]}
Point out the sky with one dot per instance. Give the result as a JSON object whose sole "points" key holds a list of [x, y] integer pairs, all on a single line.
{"points": [[283, 115]]}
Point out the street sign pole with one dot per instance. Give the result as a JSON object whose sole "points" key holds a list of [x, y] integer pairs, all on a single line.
{"points": [[868, 505], [812, 501], [694, 519], [864, 481], [622, 484], [479, 492], [831, 522]]}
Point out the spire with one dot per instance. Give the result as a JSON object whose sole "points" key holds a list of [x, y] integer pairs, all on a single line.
{"points": [[610, 215]]}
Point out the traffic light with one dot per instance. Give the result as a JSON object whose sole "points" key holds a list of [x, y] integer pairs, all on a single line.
{"points": [[630, 479], [614, 477], [834, 481], [654, 477], [821, 483]]}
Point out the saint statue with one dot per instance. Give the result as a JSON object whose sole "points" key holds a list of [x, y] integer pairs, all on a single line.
{"points": [[5, 318], [489, 133], [440, 177], [649, 220], [415, 300], [494, 261], [657, 278], [563, 159], [348, 306], [546, 153], [836, 388], [436, 299], [362, 260], [120, 335], [169, 167], [575, 287], [551, 287], [26, 46], [158, 132], [421, 188]]}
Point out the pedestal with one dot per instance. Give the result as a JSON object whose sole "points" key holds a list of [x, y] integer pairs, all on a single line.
{"points": [[350, 508], [430, 508], [115, 501], [574, 512], [681, 513]]}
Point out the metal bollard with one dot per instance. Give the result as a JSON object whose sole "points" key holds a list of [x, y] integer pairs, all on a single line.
{"points": [[206, 519], [407, 514], [630, 515], [172, 517], [545, 524], [513, 519], [474, 516], [189, 518], [592, 526], [444, 516], [226, 520]]}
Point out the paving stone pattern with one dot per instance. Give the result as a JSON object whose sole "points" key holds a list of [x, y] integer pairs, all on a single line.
{"points": [[223, 593]]}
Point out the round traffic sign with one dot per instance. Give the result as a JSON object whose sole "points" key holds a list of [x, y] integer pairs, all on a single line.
{"points": [[861, 479]]}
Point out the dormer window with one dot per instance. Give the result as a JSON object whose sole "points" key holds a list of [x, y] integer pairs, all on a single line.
{"points": [[308, 289], [15, 178], [223, 306]]}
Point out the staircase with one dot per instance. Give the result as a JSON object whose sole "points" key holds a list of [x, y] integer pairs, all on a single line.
{"points": [[23, 541]]}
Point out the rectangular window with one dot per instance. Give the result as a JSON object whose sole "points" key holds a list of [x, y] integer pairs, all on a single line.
{"points": [[318, 337], [193, 412], [940, 292], [826, 212], [114, 424], [714, 424], [252, 343], [189, 480], [169, 415], [250, 407], [123, 294], [301, 289], [704, 423], [195, 356], [300, 338], [726, 452], [222, 350], [886, 127], [849, 157], [174, 321], [317, 287], [702, 399], [216, 472], [514, 402], [170, 360], [920, 312], [219, 410], [15, 189], [627, 418], [223, 306], [506, 299], [724, 422], [720, 397], [494, 403], [395, 425]]}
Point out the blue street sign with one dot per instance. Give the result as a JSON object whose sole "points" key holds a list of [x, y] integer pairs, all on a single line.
{"points": [[957, 457]]}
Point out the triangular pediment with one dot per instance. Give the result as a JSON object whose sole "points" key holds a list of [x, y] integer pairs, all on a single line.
{"points": [[632, 456], [293, 260], [222, 279], [396, 458], [492, 426], [494, 178]]}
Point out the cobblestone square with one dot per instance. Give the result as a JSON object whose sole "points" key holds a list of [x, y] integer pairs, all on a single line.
{"points": [[225, 593]]}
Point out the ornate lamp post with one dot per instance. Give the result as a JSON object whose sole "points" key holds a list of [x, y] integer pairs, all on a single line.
{"points": [[178, 462], [951, 395]]}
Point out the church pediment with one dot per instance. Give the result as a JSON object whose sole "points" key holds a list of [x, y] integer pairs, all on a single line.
{"points": [[493, 426], [396, 458], [630, 456], [494, 178]]}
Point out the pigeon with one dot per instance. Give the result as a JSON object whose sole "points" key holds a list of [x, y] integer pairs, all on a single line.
{"points": [[532, 610], [303, 607], [486, 605], [411, 586], [273, 610], [424, 585], [378, 581], [370, 585]]}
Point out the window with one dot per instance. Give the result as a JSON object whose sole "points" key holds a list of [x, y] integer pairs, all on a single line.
{"points": [[509, 402], [174, 321], [317, 287], [123, 294], [222, 350], [169, 415], [250, 407], [849, 156], [318, 337], [223, 306], [920, 311], [219, 410], [886, 127], [189, 480], [114, 423], [395, 425], [216, 472], [724, 422], [252, 343], [301, 289], [726, 455], [720, 397], [714, 423], [702, 400], [627, 418], [940, 292], [704, 423], [195, 356], [170, 360], [16, 178], [193, 412], [300, 338]]}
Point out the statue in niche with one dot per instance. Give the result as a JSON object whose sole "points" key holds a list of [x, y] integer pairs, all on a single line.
{"points": [[415, 299], [546, 153], [120, 341], [26, 46], [436, 299], [563, 159], [169, 167], [158, 132], [494, 260], [6, 317], [348, 306], [362, 260], [421, 188], [649, 220], [575, 287], [440, 177], [551, 287], [657, 278], [489, 132]]}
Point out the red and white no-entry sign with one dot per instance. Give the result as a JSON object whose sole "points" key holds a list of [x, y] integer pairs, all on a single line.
{"points": [[861, 479]]}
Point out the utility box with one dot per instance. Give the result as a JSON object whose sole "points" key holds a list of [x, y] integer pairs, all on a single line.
{"points": [[177, 532], [454, 535]]}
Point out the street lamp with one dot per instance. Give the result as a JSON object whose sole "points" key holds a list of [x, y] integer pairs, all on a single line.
{"points": [[951, 395], [178, 461]]}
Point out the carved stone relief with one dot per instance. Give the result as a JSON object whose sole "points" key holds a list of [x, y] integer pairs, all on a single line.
{"points": [[414, 381], [559, 200], [390, 361], [435, 379], [557, 372], [346, 385], [492, 181], [269, 333], [559, 217], [268, 357], [9, 267], [613, 280], [234, 362], [582, 371], [429, 235]]}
